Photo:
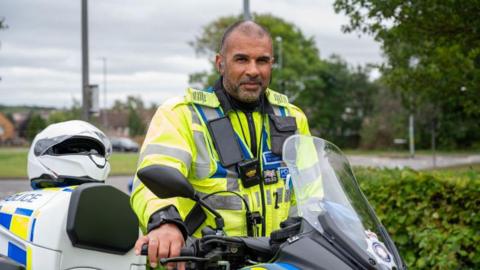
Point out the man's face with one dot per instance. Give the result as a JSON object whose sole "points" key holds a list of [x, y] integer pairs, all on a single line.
{"points": [[246, 65]]}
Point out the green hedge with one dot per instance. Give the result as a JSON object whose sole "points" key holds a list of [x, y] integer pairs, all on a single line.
{"points": [[434, 218]]}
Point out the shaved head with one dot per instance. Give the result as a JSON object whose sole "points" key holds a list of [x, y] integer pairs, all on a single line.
{"points": [[245, 60], [248, 28]]}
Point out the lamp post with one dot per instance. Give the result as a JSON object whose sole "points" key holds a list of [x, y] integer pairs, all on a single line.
{"points": [[85, 81], [412, 63], [280, 51], [246, 10], [104, 68]]}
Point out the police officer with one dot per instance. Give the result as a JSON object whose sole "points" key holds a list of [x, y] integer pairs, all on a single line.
{"points": [[195, 135]]}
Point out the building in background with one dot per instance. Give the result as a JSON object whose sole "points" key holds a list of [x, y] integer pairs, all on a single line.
{"points": [[7, 130]]}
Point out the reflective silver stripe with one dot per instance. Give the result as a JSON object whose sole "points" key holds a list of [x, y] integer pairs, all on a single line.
{"points": [[231, 172], [279, 195], [210, 113], [228, 202], [269, 197], [195, 118], [202, 162], [232, 184], [287, 195], [257, 196], [158, 149]]}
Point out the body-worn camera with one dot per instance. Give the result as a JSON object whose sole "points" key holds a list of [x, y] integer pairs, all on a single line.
{"points": [[249, 172]]}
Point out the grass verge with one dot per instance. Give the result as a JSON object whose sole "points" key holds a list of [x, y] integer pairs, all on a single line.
{"points": [[13, 163]]}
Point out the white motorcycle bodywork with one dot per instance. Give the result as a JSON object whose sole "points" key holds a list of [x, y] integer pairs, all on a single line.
{"points": [[33, 233]]}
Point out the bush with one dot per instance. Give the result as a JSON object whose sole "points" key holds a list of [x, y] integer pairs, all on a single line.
{"points": [[432, 217]]}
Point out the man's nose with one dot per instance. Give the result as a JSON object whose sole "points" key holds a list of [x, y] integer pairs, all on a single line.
{"points": [[252, 69]]}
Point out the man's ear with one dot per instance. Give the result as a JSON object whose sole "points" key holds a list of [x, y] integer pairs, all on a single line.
{"points": [[219, 63]]}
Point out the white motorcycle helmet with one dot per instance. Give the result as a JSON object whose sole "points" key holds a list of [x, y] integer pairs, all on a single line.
{"points": [[68, 153]]}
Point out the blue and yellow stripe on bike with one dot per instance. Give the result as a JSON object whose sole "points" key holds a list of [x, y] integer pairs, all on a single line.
{"points": [[19, 221]]}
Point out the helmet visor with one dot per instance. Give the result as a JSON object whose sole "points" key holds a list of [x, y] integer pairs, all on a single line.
{"points": [[85, 143]]}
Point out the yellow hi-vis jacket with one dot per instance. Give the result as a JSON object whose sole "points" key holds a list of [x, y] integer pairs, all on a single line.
{"points": [[178, 137]]}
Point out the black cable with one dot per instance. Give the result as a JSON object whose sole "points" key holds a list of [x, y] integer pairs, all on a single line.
{"points": [[228, 191], [226, 238], [182, 259]]}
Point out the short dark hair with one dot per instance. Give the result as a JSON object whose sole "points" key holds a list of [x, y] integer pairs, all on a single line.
{"points": [[245, 26]]}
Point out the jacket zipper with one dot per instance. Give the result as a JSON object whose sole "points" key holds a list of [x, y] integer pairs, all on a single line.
{"points": [[253, 148], [253, 136]]}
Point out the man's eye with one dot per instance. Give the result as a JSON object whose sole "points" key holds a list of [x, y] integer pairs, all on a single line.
{"points": [[263, 61], [241, 60]]}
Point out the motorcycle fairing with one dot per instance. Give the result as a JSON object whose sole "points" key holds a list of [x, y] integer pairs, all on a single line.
{"points": [[328, 197]]}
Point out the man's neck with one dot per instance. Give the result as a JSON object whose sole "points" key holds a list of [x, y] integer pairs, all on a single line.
{"points": [[243, 106]]}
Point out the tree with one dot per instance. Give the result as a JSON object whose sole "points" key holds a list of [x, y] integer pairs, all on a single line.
{"points": [[386, 120], [135, 108], [337, 103], [433, 57], [2, 23], [135, 123], [35, 124], [66, 114], [334, 97]]}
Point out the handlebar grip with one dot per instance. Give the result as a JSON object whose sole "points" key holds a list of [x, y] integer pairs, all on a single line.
{"points": [[186, 251], [144, 250]]}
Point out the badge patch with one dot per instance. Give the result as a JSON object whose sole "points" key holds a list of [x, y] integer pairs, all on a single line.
{"points": [[381, 252], [283, 172], [199, 97], [270, 177], [271, 159]]}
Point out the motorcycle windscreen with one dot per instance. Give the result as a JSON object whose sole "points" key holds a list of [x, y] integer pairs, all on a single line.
{"points": [[324, 185]]}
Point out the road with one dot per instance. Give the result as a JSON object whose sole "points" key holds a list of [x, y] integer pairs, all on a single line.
{"points": [[8, 187], [417, 163]]}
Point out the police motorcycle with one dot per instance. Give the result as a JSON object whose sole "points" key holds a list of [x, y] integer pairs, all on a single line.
{"points": [[71, 220], [334, 226]]}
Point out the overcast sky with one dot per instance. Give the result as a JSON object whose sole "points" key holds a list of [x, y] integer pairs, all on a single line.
{"points": [[145, 43]]}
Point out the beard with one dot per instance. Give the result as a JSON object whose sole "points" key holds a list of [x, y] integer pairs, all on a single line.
{"points": [[246, 90]]}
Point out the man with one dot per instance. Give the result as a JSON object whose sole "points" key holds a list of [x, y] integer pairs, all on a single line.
{"points": [[182, 136]]}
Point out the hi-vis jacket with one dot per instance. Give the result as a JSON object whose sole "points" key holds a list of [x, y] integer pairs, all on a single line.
{"points": [[178, 137]]}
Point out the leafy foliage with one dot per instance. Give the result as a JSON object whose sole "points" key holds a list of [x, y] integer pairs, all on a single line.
{"points": [[72, 113], [134, 106], [386, 121], [337, 101], [2, 23], [432, 217], [35, 124], [433, 58]]}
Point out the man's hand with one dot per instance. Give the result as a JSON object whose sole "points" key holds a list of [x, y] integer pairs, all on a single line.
{"points": [[163, 242]]}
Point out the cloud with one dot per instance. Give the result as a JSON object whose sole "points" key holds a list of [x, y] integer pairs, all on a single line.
{"points": [[145, 43]]}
